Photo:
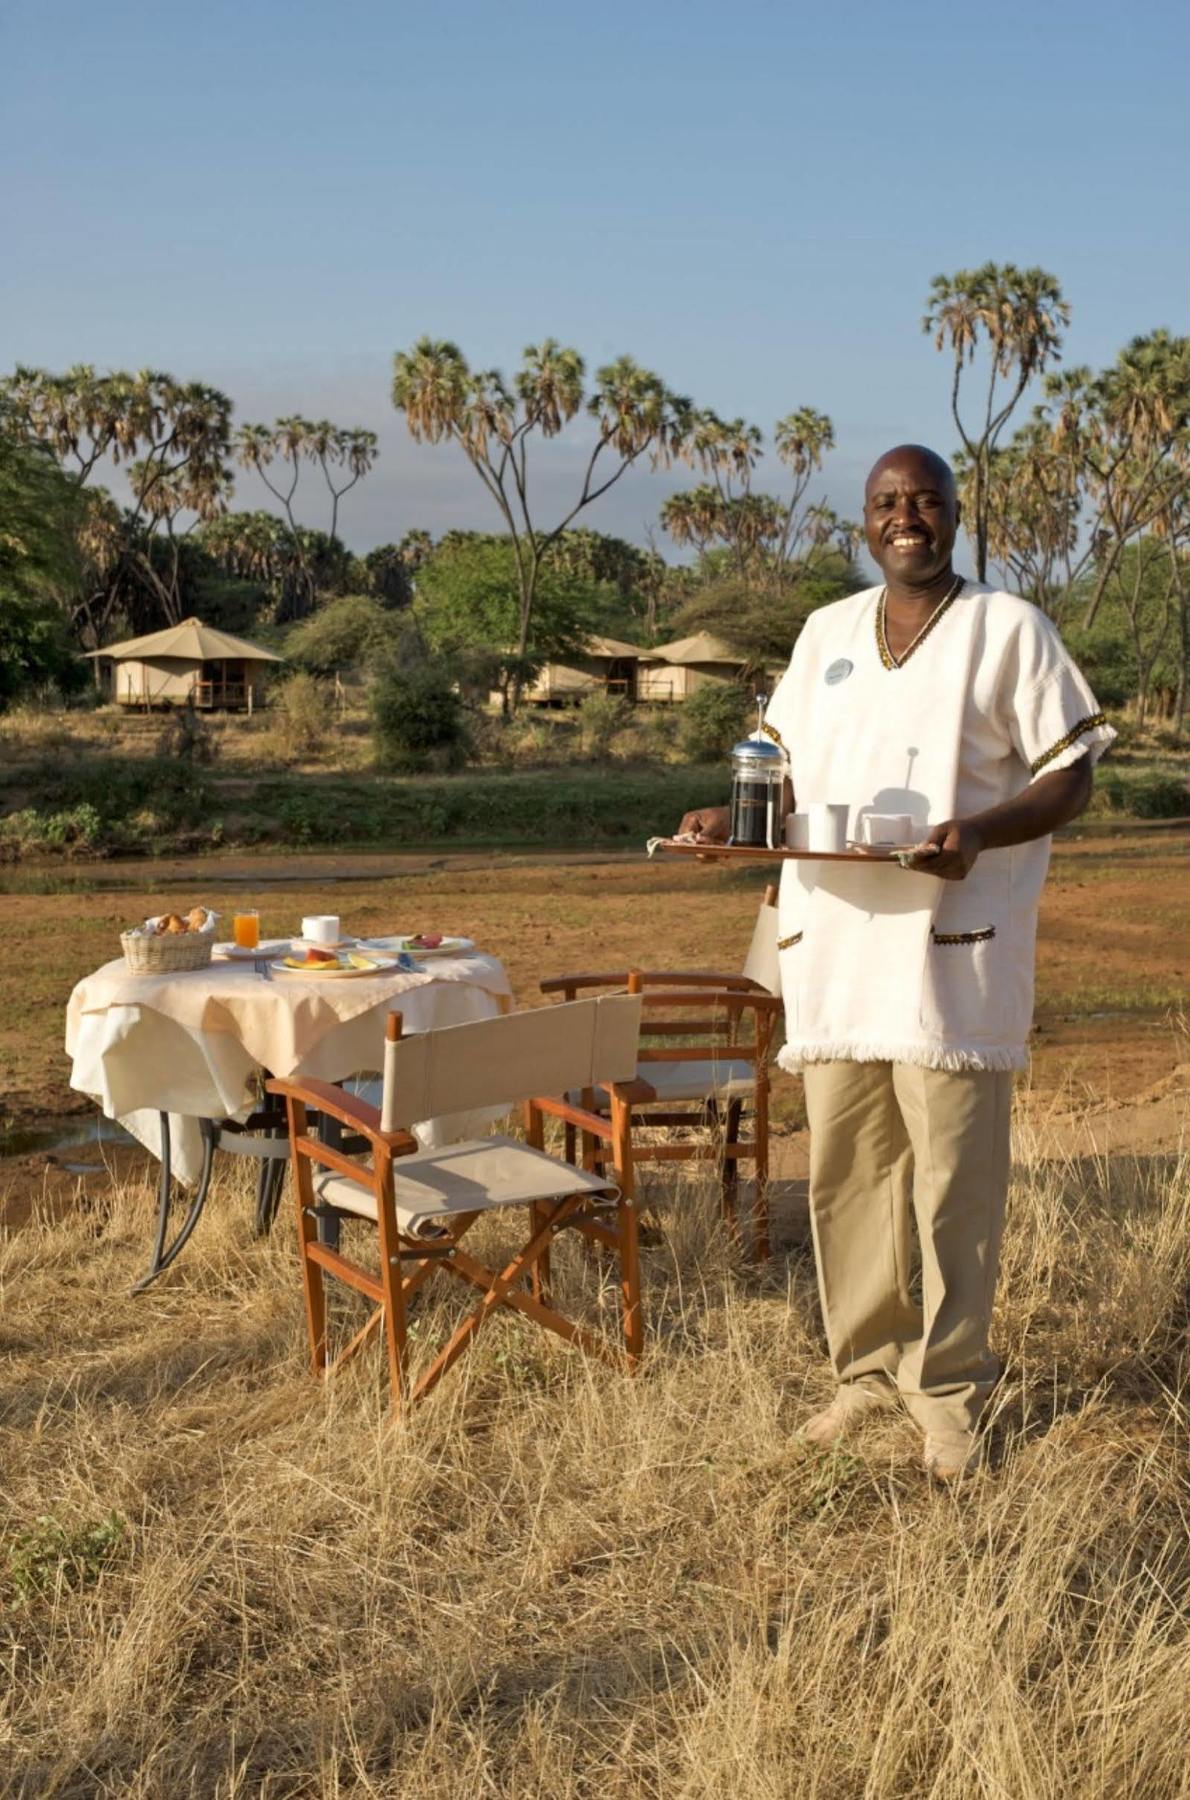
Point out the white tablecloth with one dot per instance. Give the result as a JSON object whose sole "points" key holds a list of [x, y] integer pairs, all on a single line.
{"points": [[194, 1045]]}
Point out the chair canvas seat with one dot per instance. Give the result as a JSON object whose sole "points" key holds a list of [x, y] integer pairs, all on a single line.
{"points": [[725, 1080], [473, 1176]]}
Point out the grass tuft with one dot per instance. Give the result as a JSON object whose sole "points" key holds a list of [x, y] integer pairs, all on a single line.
{"points": [[553, 1581]]}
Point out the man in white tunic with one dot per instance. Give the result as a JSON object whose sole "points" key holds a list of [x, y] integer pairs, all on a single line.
{"points": [[909, 992]]}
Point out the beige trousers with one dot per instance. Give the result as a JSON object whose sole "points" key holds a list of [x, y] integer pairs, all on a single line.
{"points": [[885, 1137]]}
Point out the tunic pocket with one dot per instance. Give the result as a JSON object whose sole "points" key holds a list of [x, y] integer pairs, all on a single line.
{"points": [[963, 994]]}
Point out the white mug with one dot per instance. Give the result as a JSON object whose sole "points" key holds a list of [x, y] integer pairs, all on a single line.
{"points": [[828, 827], [321, 928], [797, 831], [890, 830]]}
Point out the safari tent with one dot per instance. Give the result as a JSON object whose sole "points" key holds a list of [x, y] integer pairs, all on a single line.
{"points": [[604, 665], [672, 672], [190, 664]]}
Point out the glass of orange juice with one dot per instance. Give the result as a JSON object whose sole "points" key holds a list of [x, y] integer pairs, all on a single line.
{"points": [[245, 927]]}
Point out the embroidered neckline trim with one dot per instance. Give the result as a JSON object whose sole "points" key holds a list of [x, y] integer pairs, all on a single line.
{"points": [[886, 656]]}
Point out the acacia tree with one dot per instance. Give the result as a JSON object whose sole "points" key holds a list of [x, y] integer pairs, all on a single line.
{"points": [[174, 434], [1018, 312], [1126, 437], [761, 534], [1033, 511], [291, 442], [444, 400]]}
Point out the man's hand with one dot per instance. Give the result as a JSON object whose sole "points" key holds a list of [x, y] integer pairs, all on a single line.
{"points": [[949, 850], [707, 824]]}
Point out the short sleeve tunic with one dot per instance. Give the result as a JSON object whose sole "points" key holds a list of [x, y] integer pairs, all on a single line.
{"points": [[879, 963]]}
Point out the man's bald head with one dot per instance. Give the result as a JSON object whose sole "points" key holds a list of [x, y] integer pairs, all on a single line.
{"points": [[911, 516], [919, 455]]}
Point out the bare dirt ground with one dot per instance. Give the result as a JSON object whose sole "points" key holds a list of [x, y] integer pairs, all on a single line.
{"points": [[1109, 1047]]}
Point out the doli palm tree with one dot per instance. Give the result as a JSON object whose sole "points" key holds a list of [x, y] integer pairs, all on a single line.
{"points": [[634, 414], [1019, 313]]}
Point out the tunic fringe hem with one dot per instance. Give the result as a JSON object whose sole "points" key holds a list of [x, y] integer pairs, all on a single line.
{"points": [[954, 1057]]}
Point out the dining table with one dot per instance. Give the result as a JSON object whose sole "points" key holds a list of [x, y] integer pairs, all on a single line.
{"points": [[181, 1059]]}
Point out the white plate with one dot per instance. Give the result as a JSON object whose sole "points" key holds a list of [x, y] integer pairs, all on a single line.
{"points": [[450, 946], [233, 952], [380, 965]]}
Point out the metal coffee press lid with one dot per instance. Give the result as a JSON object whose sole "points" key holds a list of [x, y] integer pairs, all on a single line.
{"points": [[758, 752]]}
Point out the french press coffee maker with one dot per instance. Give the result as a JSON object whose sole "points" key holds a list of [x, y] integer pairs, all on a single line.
{"points": [[757, 788]]}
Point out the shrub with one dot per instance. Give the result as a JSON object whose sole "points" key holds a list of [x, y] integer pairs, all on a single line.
{"points": [[417, 718], [301, 708], [347, 633], [1142, 796], [601, 718], [188, 738], [47, 1556], [713, 719]]}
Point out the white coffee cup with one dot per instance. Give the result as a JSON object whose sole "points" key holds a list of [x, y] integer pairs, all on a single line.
{"points": [[828, 827], [889, 830], [321, 928], [797, 831]]}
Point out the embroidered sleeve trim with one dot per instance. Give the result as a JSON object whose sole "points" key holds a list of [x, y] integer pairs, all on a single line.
{"points": [[770, 731], [789, 942], [963, 937], [1088, 724]]}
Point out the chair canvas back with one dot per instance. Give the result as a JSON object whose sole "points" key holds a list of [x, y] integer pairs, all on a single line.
{"points": [[763, 961], [496, 1062]]}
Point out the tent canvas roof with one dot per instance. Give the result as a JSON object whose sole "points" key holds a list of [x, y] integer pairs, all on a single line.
{"points": [[702, 648], [609, 646], [192, 641]]}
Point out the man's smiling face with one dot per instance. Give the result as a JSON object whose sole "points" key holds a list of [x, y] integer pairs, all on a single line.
{"points": [[911, 516]]}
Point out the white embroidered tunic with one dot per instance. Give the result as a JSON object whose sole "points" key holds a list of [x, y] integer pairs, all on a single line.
{"points": [[880, 963]]}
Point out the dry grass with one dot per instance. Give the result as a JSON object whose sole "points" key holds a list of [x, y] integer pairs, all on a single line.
{"points": [[554, 1582]]}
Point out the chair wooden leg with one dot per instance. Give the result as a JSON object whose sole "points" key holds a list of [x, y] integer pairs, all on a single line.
{"points": [[392, 1281], [539, 1273], [731, 1170], [761, 1128], [312, 1278], [628, 1230]]}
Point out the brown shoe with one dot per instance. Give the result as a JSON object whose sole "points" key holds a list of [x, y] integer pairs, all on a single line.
{"points": [[851, 1404], [949, 1455]]}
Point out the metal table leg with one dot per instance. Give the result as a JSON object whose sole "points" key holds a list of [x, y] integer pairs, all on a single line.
{"points": [[265, 1136], [163, 1256]]}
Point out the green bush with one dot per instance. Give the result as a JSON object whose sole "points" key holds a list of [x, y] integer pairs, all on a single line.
{"points": [[418, 720], [713, 719], [1141, 796], [46, 1556], [601, 718], [348, 633], [302, 710], [27, 831]]}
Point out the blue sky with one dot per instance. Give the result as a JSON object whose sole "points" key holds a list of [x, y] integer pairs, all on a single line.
{"points": [[750, 198]]}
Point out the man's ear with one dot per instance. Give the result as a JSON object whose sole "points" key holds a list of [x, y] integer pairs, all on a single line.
{"points": [[958, 513]]}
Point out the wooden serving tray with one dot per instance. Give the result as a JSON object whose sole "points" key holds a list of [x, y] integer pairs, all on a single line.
{"points": [[747, 853]]}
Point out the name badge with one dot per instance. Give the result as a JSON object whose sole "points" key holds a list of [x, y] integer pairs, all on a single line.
{"points": [[838, 671]]}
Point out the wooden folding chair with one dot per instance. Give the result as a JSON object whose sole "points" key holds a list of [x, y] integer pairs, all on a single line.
{"points": [[725, 1076], [424, 1202]]}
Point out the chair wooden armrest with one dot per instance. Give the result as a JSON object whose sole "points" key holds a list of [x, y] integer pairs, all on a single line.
{"points": [[759, 1002], [654, 978], [575, 1115], [349, 1109]]}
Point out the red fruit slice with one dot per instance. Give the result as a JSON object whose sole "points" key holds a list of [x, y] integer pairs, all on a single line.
{"points": [[427, 940], [322, 956]]}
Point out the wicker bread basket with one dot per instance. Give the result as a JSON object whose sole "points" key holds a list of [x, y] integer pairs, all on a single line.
{"points": [[170, 953]]}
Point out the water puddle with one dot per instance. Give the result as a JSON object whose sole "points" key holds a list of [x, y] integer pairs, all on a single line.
{"points": [[51, 1136]]}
